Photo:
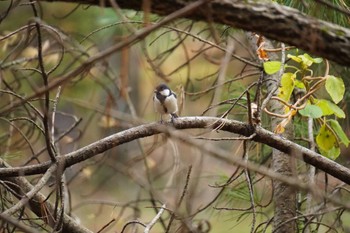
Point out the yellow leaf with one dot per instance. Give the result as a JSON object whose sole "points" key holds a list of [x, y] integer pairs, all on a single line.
{"points": [[107, 122], [279, 129], [287, 86], [325, 138]]}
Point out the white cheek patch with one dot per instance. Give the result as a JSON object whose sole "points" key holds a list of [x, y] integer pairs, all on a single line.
{"points": [[165, 92]]}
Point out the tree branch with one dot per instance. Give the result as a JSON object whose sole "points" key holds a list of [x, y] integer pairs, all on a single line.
{"points": [[261, 135], [41, 206], [272, 20]]}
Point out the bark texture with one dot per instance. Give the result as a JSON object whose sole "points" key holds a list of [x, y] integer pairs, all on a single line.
{"points": [[269, 19], [284, 194]]}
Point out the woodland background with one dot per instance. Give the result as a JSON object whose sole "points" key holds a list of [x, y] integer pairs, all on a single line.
{"points": [[73, 74]]}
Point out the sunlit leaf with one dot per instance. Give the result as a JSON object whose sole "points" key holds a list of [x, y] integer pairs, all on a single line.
{"points": [[335, 88], [318, 60], [307, 60], [337, 111], [271, 67], [339, 131], [328, 108], [294, 58], [332, 154], [287, 86], [325, 138], [299, 84], [312, 111]]}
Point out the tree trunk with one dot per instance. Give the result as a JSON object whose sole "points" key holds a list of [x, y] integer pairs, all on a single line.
{"points": [[284, 195]]}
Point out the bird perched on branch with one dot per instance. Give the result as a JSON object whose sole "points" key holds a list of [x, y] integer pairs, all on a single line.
{"points": [[165, 102]]}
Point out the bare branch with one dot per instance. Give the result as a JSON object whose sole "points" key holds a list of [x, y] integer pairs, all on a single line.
{"points": [[155, 219], [44, 179], [39, 203], [261, 135], [106, 53]]}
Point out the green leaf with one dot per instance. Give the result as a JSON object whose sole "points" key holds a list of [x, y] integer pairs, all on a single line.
{"points": [[325, 107], [299, 84], [307, 60], [287, 86], [271, 67], [294, 58], [326, 139], [318, 60], [328, 108], [312, 111], [332, 154], [339, 131], [335, 88]]}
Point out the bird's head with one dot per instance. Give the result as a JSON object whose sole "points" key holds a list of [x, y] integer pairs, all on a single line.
{"points": [[162, 89]]}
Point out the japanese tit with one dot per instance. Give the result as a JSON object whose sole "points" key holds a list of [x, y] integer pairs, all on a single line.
{"points": [[165, 102]]}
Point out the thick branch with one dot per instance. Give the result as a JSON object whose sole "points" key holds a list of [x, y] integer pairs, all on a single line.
{"points": [[261, 135], [269, 19]]}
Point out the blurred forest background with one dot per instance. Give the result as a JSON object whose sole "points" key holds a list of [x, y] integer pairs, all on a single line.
{"points": [[126, 186]]}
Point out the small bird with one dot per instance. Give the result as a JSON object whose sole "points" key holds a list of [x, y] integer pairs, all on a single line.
{"points": [[165, 102]]}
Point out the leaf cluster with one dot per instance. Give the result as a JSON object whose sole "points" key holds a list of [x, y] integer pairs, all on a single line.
{"points": [[300, 80]]}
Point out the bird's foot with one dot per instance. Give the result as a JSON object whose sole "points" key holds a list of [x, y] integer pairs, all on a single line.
{"points": [[173, 116]]}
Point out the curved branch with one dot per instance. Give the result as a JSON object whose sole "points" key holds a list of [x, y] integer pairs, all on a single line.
{"points": [[269, 19], [260, 135]]}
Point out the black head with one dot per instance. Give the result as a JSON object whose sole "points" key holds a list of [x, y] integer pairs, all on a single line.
{"points": [[161, 87]]}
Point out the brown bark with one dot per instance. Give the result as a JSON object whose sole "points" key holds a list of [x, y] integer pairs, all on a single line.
{"points": [[269, 19], [284, 194], [244, 129]]}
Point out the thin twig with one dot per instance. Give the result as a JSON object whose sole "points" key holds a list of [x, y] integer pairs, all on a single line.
{"points": [[44, 179], [53, 117], [222, 74], [17, 223], [155, 219], [108, 52], [250, 185]]}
